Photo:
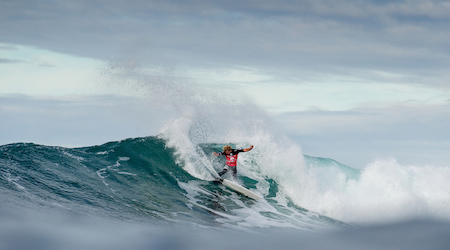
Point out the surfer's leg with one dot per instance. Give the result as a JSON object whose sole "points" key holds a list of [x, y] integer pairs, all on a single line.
{"points": [[225, 169], [234, 171]]}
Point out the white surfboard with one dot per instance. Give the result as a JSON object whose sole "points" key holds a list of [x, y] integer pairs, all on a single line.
{"points": [[238, 188]]}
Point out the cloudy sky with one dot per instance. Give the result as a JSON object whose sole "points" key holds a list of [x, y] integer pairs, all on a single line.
{"points": [[349, 80]]}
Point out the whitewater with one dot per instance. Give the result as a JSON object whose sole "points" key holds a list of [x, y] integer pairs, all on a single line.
{"points": [[156, 192]]}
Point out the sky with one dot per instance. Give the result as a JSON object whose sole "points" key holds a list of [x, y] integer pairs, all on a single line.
{"points": [[354, 81]]}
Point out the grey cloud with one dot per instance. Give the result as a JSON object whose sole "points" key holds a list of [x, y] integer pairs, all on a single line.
{"points": [[400, 122], [7, 60], [46, 64], [7, 47], [413, 134], [80, 121], [318, 36]]}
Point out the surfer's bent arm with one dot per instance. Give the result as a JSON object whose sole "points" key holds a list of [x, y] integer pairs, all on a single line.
{"points": [[215, 154], [248, 149]]}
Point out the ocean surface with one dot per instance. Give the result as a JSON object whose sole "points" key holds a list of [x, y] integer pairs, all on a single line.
{"points": [[157, 193]]}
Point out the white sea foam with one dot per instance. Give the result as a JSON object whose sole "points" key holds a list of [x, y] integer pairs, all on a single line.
{"points": [[103, 172], [246, 215], [385, 190], [14, 180], [78, 158]]}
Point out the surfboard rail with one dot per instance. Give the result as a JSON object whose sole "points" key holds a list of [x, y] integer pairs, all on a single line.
{"points": [[240, 189]]}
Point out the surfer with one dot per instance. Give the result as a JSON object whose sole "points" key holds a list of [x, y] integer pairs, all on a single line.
{"points": [[231, 156]]}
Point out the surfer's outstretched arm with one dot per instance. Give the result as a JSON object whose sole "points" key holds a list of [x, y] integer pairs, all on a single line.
{"points": [[248, 149], [215, 154]]}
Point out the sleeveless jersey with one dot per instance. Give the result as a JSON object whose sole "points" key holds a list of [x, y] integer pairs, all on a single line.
{"points": [[232, 157]]}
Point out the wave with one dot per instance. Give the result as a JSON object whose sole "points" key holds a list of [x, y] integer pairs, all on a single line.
{"points": [[149, 179], [141, 179], [144, 184]]}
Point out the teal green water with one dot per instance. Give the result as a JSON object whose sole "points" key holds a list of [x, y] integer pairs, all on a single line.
{"points": [[141, 180]]}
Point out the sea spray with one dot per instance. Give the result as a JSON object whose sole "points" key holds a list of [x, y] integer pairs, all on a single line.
{"points": [[274, 156], [383, 191], [189, 156]]}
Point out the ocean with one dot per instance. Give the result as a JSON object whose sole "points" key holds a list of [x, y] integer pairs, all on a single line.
{"points": [[157, 192]]}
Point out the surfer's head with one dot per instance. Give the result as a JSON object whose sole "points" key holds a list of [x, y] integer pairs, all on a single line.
{"points": [[226, 148]]}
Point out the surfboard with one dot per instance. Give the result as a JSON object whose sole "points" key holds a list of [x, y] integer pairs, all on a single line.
{"points": [[240, 189]]}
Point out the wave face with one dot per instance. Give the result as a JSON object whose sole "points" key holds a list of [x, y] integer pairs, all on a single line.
{"points": [[121, 194], [141, 180], [164, 181]]}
